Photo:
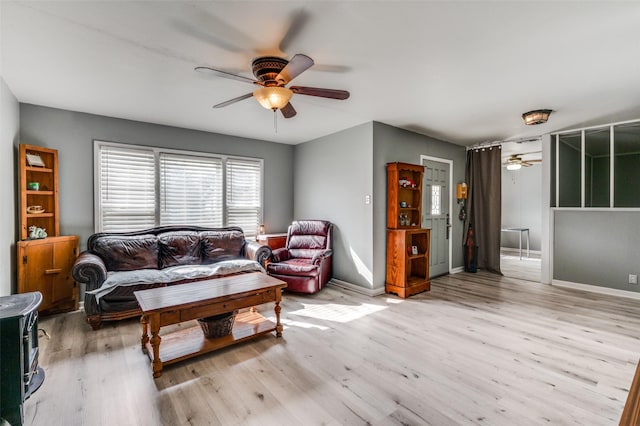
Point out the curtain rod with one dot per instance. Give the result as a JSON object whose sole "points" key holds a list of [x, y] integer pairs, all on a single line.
{"points": [[499, 143], [483, 145]]}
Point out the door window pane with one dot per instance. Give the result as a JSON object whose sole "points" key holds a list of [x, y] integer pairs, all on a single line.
{"points": [[436, 199]]}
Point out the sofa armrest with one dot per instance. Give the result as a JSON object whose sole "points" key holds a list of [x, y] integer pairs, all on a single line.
{"points": [[253, 250], [89, 269], [280, 255], [321, 256]]}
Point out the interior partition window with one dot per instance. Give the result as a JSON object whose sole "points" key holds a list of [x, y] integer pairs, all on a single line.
{"points": [[141, 187], [597, 167]]}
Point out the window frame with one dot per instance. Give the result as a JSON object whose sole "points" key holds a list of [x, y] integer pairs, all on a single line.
{"points": [[555, 137], [97, 203]]}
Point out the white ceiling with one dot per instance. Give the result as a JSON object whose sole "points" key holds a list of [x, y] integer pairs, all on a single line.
{"points": [[459, 71]]}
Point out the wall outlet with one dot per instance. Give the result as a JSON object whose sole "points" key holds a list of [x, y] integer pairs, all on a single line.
{"points": [[633, 279], [367, 199]]}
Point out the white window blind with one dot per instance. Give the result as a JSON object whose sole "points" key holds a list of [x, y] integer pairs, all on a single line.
{"points": [[127, 187], [140, 187], [190, 190], [244, 194]]}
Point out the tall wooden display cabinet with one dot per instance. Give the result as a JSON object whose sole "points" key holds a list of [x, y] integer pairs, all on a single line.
{"points": [[407, 243], [44, 264]]}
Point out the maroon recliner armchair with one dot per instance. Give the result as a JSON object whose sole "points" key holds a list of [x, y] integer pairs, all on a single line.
{"points": [[305, 262]]}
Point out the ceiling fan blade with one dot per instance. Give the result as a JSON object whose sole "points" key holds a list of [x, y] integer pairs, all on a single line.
{"points": [[288, 111], [296, 66], [233, 101], [225, 74], [322, 93], [299, 19]]}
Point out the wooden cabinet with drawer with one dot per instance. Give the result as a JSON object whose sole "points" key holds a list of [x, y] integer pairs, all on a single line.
{"points": [[45, 265]]}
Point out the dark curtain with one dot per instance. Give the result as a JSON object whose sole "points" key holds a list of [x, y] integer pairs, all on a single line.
{"points": [[484, 204]]}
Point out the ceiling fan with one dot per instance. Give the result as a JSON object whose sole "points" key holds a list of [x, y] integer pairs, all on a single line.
{"points": [[272, 74], [515, 162]]}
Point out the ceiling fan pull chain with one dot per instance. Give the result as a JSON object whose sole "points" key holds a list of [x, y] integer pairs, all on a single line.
{"points": [[275, 121]]}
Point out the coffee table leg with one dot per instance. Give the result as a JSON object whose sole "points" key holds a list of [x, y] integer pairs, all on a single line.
{"points": [[278, 324], [155, 345], [145, 333]]}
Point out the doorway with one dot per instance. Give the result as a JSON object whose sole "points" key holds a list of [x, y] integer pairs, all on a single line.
{"points": [[520, 244], [436, 208]]}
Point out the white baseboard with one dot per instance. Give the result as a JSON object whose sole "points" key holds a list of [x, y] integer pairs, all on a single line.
{"points": [[457, 270], [356, 288], [597, 289]]}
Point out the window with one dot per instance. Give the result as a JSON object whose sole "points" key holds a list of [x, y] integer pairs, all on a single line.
{"points": [[598, 167], [436, 199], [140, 187]]}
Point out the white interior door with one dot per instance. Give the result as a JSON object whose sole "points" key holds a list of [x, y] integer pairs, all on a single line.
{"points": [[435, 212]]}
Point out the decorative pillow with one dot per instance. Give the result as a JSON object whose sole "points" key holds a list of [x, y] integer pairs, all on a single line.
{"points": [[126, 253], [179, 248]]}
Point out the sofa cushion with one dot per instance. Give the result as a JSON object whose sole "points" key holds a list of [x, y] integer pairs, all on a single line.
{"points": [[126, 253], [179, 248], [299, 267], [221, 245]]}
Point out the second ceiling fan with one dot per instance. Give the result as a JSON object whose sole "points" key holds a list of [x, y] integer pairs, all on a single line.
{"points": [[272, 74], [515, 162]]}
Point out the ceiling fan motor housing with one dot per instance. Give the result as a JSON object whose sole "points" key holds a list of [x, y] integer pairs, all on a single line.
{"points": [[267, 68]]}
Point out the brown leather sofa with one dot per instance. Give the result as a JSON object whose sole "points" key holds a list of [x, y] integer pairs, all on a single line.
{"points": [[305, 262], [117, 264]]}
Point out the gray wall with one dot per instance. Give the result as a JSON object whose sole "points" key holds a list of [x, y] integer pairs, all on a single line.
{"points": [[597, 247], [392, 144], [521, 205], [72, 134], [9, 135], [334, 187], [333, 174]]}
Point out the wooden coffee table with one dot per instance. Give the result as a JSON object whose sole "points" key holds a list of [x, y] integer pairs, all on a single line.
{"points": [[184, 302]]}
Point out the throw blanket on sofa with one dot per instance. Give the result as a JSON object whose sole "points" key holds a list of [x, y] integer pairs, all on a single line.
{"points": [[174, 274]]}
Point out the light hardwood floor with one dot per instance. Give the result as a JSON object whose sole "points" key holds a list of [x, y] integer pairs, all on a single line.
{"points": [[477, 349], [527, 268]]}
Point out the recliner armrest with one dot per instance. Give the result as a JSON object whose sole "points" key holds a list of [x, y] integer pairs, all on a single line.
{"points": [[321, 256], [253, 250], [89, 269], [280, 255]]}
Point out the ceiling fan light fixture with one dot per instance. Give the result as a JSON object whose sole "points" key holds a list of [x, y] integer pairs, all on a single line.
{"points": [[273, 97], [514, 166], [538, 116]]}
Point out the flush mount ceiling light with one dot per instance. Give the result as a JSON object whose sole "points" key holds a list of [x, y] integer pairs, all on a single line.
{"points": [[538, 116], [273, 97]]}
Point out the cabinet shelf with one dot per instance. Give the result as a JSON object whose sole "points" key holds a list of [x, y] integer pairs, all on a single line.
{"points": [[415, 280], [38, 169], [34, 215], [32, 192]]}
